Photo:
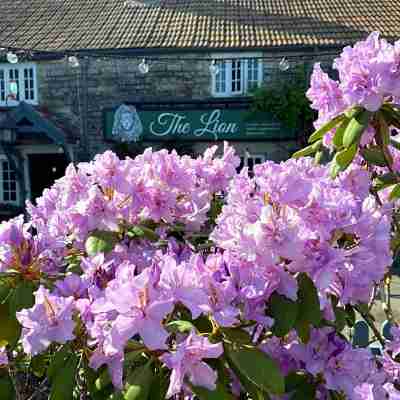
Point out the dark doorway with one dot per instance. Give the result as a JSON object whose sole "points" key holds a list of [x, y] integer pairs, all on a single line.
{"points": [[44, 169]]}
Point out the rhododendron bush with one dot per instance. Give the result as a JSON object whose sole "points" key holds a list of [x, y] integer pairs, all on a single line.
{"points": [[166, 276]]}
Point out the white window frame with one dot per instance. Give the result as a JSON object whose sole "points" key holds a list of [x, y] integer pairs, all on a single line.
{"points": [[8, 101], [2, 201], [228, 59]]}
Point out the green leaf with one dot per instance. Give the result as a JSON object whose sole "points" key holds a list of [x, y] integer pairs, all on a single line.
{"points": [[138, 383], [293, 380], [374, 155], [203, 324], [10, 329], [338, 137], [180, 326], [307, 151], [103, 380], [38, 364], [100, 242], [236, 335], [220, 393], [159, 387], [351, 315], [284, 312], [306, 391], [7, 390], [355, 128], [309, 307], [352, 112], [318, 157], [140, 231], [319, 133], [64, 379], [58, 360], [116, 396], [395, 193], [258, 368], [303, 330], [385, 180], [334, 169], [22, 296], [340, 318], [344, 158], [5, 291], [383, 130]]}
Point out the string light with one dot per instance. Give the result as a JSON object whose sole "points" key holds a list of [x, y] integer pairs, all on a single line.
{"points": [[12, 58], [13, 88], [284, 64], [214, 68], [73, 61], [144, 67]]}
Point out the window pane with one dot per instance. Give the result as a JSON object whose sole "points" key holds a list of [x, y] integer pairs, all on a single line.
{"points": [[220, 77], [29, 84], [8, 183], [252, 73], [2, 86], [13, 75], [236, 76]]}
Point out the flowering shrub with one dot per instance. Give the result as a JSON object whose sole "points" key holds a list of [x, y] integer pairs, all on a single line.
{"points": [[134, 279]]}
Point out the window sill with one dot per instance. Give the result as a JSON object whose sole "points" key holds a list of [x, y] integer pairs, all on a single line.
{"points": [[11, 104]]}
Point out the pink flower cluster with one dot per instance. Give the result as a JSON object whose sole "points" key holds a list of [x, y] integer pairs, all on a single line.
{"points": [[369, 75], [290, 218], [355, 372]]}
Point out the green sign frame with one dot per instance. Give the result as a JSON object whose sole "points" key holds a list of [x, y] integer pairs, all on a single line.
{"points": [[200, 124]]}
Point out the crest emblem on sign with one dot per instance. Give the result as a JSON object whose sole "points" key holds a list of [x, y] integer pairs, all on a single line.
{"points": [[127, 126]]}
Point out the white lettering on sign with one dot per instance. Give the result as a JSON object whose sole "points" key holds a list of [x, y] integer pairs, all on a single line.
{"points": [[176, 124]]}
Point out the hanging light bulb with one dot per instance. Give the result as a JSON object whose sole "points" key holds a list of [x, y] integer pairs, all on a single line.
{"points": [[13, 88], [12, 58], [214, 69], [73, 61], [284, 64], [144, 67]]}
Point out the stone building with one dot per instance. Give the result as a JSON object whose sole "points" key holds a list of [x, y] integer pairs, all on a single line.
{"points": [[78, 77]]}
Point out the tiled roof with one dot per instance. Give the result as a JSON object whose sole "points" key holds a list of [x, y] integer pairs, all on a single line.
{"points": [[192, 24]]}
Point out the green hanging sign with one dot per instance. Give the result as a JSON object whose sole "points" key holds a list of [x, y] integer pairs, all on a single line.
{"points": [[128, 123]]}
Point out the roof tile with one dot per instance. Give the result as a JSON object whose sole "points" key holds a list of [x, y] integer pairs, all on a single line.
{"points": [[61, 25]]}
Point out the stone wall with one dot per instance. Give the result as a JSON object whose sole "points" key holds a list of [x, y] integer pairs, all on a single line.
{"points": [[110, 82]]}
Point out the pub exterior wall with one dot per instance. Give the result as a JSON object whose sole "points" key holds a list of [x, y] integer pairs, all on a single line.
{"points": [[86, 91]]}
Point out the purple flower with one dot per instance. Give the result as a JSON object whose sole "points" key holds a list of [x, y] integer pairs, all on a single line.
{"points": [[72, 285], [49, 320], [114, 363], [186, 361], [140, 311], [3, 357], [181, 283]]}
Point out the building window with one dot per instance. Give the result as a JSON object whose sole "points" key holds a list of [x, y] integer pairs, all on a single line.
{"points": [[18, 83], [8, 183], [236, 74]]}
